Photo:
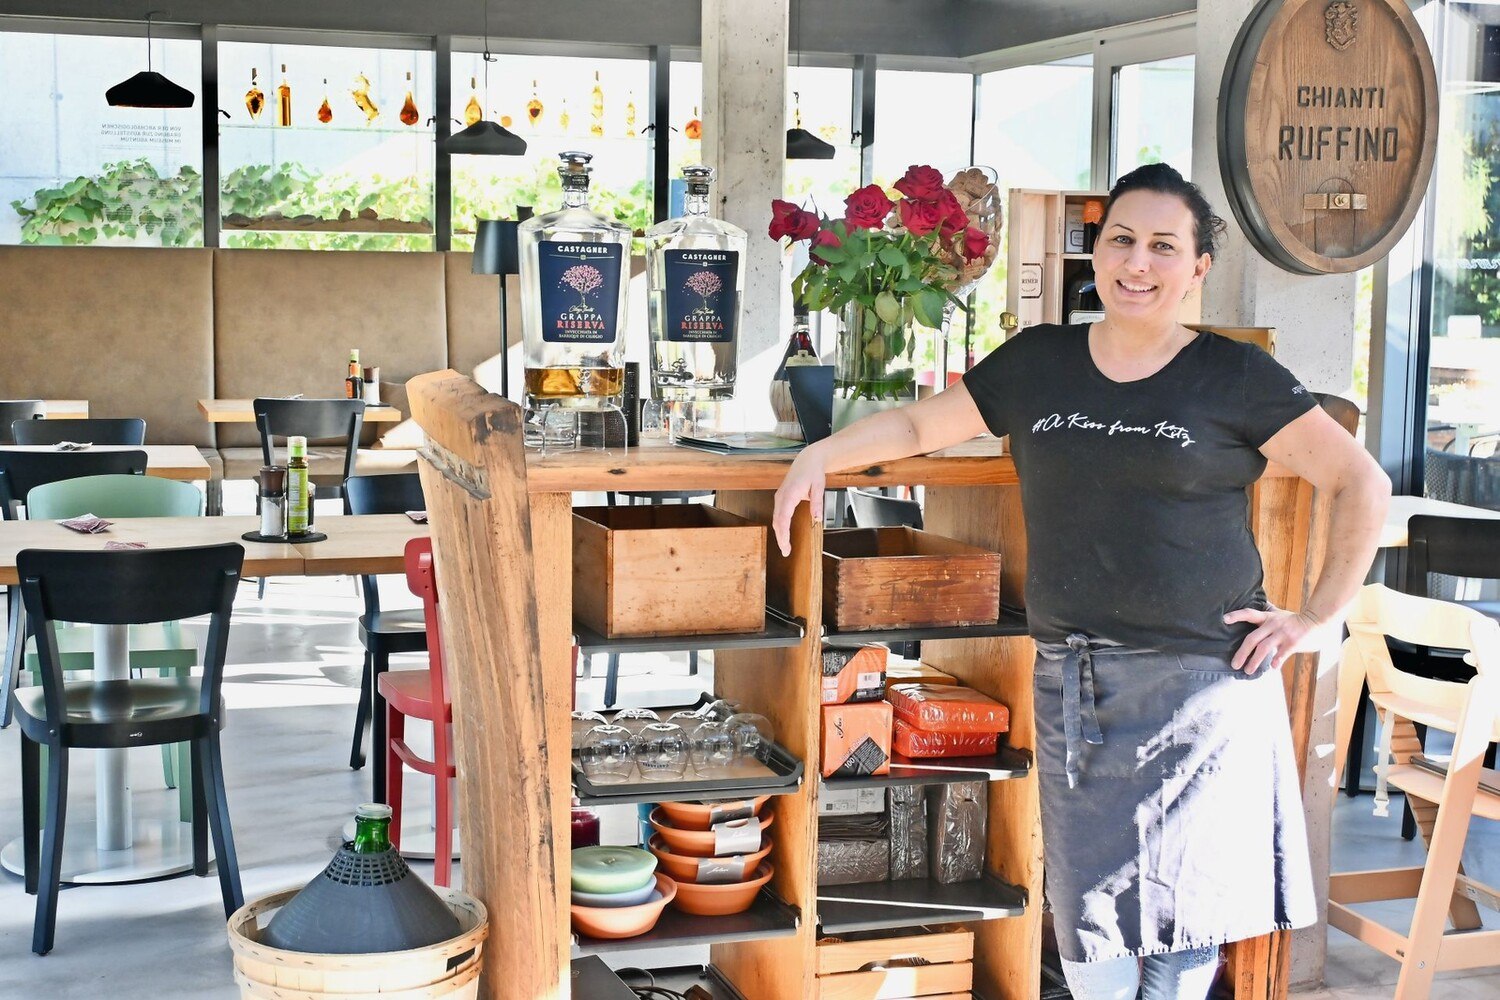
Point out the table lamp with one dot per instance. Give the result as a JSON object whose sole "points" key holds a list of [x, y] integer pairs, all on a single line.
{"points": [[495, 253]]}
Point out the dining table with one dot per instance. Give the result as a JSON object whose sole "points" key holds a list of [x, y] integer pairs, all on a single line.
{"points": [[242, 411], [65, 409], [116, 845], [182, 462], [1403, 508]]}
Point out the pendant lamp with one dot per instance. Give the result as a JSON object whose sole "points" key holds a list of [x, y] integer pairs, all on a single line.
{"points": [[148, 89], [484, 137], [800, 143]]}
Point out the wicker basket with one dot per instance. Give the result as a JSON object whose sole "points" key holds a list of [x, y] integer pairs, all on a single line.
{"points": [[449, 969]]}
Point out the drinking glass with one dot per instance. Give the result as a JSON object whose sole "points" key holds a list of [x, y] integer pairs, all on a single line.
{"points": [[635, 719], [718, 711], [661, 751], [751, 734], [712, 749], [605, 755], [582, 723]]}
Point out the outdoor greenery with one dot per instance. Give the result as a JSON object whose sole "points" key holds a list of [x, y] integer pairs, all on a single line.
{"points": [[118, 204], [476, 196]]}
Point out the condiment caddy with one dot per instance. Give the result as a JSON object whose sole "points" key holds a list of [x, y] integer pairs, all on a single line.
{"points": [[285, 497]]}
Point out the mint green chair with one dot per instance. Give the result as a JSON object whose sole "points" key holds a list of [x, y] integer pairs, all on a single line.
{"points": [[160, 646]]}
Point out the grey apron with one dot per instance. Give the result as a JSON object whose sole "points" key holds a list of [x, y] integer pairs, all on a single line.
{"points": [[1171, 809]]}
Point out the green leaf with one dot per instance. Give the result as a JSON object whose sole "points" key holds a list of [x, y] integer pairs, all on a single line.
{"points": [[929, 306], [890, 256], [887, 308], [907, 286], [832, 254], [75, 213]]}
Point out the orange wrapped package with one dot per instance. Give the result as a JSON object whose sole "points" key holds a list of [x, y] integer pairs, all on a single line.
{"points": [[938, 708], [917, 745], [856, 739]]}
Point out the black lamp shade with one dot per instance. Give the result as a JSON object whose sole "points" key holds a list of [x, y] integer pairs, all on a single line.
{"points": [[148, 89], [803, 145], [495, 247], [485, 138]]}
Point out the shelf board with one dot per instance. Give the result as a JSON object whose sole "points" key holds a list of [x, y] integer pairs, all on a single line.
{"points": [[1077, 256], [593, 979], [1010, 623], [1007, 763], [768, 917], [780, 630], [911, 902], [424, 131], [390, 227]]}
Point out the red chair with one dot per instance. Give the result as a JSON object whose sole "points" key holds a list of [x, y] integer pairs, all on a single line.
{"points": [[423, 695]]}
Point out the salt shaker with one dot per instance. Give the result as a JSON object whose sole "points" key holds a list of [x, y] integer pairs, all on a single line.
{"points": [[272, 480], [372, 385]]}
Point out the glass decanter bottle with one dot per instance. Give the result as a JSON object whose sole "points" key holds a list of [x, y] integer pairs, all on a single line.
{"points": [[361, 95], [473, 111], [563, 118], [325, 110], [534, 107], [409, 115], [573, 302], [630, 116], [695, 269], [284, 101], [596, 117], [255, 99]]}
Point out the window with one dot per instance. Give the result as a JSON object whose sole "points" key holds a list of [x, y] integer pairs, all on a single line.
{"points": [[921, 118], [1463, 378], [686, 110], [555, 103], [1035, 127], [825, 97], [361, 180], [78, 171], [1153, 120]]}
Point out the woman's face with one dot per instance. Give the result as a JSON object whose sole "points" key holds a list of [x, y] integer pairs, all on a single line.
{"points": [[1144, 261]]}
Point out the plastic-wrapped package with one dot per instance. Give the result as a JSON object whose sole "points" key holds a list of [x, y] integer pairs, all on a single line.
{"points": [[856, 739], [917, 744], [845, 862], [853, 673], [955, 830], [899, 671], [939, 708], [907, 807]]}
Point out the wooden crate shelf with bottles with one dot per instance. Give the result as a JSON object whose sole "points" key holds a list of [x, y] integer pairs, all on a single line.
{"points": [[1046, 255], [517, 856]]}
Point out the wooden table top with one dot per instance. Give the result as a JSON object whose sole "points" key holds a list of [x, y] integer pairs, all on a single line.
{"points": [[657, 465], [182, 462], [1393, 531], [362, 544], [65, 409], [240, 411]]}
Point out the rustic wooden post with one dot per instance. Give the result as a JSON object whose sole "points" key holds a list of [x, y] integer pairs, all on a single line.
{"points": [[474, 476]]}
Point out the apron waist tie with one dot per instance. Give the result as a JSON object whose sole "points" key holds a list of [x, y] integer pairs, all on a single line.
{"points": [[1080, 722]]}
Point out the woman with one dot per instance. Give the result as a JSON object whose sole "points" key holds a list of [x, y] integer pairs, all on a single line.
{"points": [[1171, 813]]}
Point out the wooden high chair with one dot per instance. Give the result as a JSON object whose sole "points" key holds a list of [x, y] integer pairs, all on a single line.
{"points": [[1444, 802]]}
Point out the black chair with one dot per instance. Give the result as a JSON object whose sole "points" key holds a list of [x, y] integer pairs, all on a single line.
{"points": [[1445, 548], [612, 660], [382, 633], [876, 510], [123, 588], [12, 410], [321, 421], [20, 472], [1467, 479], [100, 430]]}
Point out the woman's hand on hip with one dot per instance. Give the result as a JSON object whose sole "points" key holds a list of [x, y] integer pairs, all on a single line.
{"points": [[804, 481], [1278, 634]]}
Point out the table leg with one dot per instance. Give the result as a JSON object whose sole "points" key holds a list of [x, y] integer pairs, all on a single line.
{"points": [[111, 781]]}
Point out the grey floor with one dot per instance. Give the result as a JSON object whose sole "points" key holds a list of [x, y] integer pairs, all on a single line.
{"points": [[291, 690]]}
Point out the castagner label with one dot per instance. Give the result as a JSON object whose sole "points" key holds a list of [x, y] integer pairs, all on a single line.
{"points": [[702, 301], [580, 291]]}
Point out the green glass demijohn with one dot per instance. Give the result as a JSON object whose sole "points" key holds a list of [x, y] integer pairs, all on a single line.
{"points": [[366, 901]]}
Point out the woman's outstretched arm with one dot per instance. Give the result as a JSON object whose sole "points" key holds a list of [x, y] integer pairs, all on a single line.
{"points": [[938, 422]]}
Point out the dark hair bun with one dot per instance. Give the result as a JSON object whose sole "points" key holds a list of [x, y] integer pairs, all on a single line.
{"points": [[1163, 179]]}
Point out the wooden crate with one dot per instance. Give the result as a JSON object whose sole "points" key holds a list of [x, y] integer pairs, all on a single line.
{"points": [[888, 969], [670, 569], [900, 577]]}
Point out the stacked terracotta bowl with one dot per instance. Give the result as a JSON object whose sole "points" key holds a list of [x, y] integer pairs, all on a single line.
{"points": [[715, 852], [617, 892]]}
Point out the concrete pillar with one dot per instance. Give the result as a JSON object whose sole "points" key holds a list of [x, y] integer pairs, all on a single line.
{"points": [[744, 108], [1314, 319]]}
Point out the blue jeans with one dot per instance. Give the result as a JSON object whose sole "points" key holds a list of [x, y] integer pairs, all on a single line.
{"points": [[1174, 975]]}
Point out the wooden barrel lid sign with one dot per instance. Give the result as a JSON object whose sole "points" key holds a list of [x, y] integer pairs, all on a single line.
{"points": [[1327, 130]]}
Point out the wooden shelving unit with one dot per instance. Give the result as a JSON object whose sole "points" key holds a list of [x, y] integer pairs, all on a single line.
{"points": [[511, 711], [1041, 261]]}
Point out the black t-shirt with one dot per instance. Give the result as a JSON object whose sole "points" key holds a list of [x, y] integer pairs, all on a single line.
{"points": [[1137, 518]]}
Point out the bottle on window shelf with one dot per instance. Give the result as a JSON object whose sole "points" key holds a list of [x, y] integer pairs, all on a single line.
{"points": [[695, 270], [473, 111], [534, 107], [325, 110], [361, 95], [409, 114], [596, 123], [283, 100], [255, 98], [354, 383]]}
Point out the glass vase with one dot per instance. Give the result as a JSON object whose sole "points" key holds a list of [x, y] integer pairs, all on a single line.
{"points": [[874, 369]]}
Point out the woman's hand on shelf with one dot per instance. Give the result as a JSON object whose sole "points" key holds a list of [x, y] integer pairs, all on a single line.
{"points": [[804, 481]]}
